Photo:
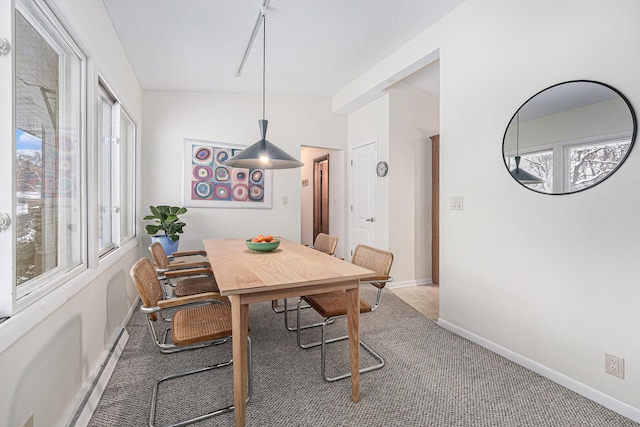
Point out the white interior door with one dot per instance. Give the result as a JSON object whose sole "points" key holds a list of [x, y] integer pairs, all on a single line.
{"points": [[364, 227], [7, 154]]}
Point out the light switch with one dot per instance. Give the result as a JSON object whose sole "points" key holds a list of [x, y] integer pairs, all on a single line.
{"points": [[456, 203], [285, 200]]}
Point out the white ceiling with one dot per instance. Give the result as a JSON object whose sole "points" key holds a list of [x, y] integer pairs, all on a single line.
{"points": [[564, 97], [313, 47]]}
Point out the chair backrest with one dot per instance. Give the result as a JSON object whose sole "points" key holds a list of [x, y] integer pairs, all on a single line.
{"points": [[146, 281], [373, 259], [325, 243], [159, 255]]}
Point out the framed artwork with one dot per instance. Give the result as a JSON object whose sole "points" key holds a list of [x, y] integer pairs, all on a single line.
{"points": [[206, 182]]}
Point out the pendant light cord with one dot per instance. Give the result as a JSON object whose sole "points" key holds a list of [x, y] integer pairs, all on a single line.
{"points": [[264, 56], [517, 133]]}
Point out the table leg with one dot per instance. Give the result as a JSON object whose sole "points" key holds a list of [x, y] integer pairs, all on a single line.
{"points": [[240, 327], [353, 319]]}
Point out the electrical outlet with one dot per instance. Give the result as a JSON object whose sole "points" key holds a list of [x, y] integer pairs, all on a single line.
{"points": [[614, 365]]}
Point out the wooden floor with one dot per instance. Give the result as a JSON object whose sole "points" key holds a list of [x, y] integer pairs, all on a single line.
{"points": [[424, 298]]}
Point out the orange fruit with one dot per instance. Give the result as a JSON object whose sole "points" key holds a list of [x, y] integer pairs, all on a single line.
{"points": [[268, 238]]}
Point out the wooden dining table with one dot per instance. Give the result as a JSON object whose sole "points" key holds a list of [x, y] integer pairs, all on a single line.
{"points": [[291, 270]]}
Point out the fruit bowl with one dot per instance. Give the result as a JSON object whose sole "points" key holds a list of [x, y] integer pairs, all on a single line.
{"points": [[263, 246]]}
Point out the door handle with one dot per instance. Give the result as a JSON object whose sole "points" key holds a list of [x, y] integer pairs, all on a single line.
{"points": [[5, 221], [370, 219]]}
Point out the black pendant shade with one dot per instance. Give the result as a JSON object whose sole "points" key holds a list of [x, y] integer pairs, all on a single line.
{"points": [[263, 155], [523, 176]]}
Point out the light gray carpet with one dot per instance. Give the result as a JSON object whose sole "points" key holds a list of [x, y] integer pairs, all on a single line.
{"points": [[432, 377]]}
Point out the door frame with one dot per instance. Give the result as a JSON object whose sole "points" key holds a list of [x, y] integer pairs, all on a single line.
{"points": [[435, 209]]}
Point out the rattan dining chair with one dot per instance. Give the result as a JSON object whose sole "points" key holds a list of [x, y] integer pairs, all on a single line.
{"points": [[190, 277], [323, 243], [332, 306], [197, 321]]}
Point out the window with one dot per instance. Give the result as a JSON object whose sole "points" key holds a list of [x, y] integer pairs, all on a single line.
{"points": [[116, 177], [48, 240], [572, 166], [127, 178], [591, 163], [105, 143], [49, 94]]}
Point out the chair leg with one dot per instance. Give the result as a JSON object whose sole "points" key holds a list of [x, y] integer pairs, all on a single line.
{"points": [[365, 347], [154, 397], [303, 327], [285, 310], [323, 343]]}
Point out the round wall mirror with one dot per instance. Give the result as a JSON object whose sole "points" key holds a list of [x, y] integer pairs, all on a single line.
{"points": [[569, 137]]}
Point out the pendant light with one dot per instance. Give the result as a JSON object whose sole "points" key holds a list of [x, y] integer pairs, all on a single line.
{"points": [[263, 154], [521, 175]]}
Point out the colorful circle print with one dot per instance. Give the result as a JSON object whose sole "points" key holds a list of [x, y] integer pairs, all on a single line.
{"points": [[240, 176], [64, 143], [202, 173], [240, 193], [202, 190], [222, 192], [256, 193], [222, 174], [202, 155], [222, 155], [66, 185], [256, 175], [65, 165]]}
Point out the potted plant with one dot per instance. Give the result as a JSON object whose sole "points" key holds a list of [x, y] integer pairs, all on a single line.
{"points": [[166, 218]]}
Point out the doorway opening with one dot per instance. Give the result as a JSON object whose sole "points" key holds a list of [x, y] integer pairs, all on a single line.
{"points": [[320, 195]]}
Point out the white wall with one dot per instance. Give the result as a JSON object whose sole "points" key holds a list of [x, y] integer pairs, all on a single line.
{"points": [[413, 117], [293, 121], [337, 197], [50, 351], [550, 280], [371, 123]]}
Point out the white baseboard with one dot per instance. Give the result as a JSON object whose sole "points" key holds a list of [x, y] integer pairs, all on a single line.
{"points": [[97, 381], [407, 283], [605, 400]]}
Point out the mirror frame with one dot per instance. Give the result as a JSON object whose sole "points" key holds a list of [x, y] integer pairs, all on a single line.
{"points": [[624, 159]]}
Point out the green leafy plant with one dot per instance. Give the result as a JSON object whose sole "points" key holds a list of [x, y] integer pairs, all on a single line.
{"points": [[166, 218]]}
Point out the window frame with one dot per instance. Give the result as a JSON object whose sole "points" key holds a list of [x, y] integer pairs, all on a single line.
{"points": [[53, 30], [118, 176], [105, 97], [128, 179]]}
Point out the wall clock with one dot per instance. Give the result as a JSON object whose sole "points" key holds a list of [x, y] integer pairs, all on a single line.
{"points": [[382, 168]]}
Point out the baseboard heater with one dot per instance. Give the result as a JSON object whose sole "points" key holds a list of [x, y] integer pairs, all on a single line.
{"points": [[83, 414]]}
